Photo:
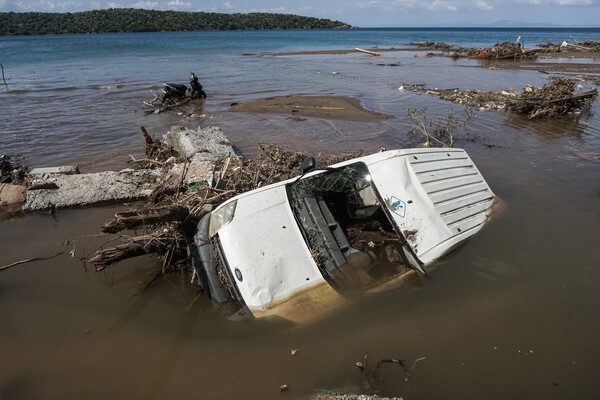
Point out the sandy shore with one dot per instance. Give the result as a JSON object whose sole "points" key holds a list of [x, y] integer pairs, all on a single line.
{"points": [[539, 64], [345, 51], [544, 66], [312, 106]]}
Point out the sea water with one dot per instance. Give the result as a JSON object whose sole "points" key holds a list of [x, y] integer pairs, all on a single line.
{"points": [[74, 98]]}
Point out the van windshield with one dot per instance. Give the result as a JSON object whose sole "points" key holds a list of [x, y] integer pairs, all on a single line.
{"points": [[346, 228]]}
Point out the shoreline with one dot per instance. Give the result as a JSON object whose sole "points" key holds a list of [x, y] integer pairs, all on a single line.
{"points": [[538, 64]]}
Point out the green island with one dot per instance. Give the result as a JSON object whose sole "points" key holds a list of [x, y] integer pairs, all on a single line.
{"points": [[140, 20]]}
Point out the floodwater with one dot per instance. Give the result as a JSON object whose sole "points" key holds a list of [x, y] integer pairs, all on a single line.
{"points": [[510, 315]]}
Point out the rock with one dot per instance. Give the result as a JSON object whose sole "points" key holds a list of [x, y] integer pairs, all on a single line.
{"points": [[198, 171], [11, 196], [204, 144], [39, 173]]}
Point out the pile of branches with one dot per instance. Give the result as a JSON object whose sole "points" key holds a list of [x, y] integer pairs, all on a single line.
{"points": [[168, 226], [503, 51], [158, 154], [160, 151], [433, 45], [500, 51], [587, 45], [554, 98], [13, 172]]}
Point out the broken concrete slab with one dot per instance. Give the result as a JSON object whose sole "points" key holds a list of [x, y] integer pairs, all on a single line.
{"points": [[39, 173], [87, 189], [197, 171], [204, 144], [61, 187]]}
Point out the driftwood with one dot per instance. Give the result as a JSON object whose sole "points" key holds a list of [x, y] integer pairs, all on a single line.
{"points": [[175, 220], [135, 246], [145, 217], [143, 161], [367, 51], [29, 260], [433, 45], [167, 107], [553, 99]]}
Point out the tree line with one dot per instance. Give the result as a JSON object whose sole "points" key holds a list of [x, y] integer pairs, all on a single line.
{"points": [[140, 20]]}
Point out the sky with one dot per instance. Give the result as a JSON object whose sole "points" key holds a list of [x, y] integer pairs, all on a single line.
{"points": [[361, 13]]}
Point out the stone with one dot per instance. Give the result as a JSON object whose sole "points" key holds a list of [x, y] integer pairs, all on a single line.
{"points": [[39, 173]]}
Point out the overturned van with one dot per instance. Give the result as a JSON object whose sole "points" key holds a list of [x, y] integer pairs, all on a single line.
{"points": [[299, 248]]}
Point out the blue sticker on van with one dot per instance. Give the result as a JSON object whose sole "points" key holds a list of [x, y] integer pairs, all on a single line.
{"points": [[398, 207]]}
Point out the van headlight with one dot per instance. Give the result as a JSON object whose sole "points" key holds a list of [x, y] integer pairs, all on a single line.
{"points": [[221, 217]]}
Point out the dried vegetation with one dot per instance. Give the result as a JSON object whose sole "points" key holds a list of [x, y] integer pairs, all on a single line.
{"points": [[508, 50], [557, 97], [167, 224], [11, 171]]}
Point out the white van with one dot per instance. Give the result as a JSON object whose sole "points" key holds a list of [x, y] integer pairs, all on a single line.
{"points": [[298, 248]]}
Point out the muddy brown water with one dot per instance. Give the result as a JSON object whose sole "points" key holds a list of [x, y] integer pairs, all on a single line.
{"points": [[513, 314]]}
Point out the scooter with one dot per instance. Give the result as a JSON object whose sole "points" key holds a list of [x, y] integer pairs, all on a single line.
{"points": [[196, 91], [173, 91]]}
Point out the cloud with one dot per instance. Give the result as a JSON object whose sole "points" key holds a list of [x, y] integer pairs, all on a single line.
{"points": [[95, 5], [557, 2], [207, 9], [457, 5], [482, 5], [178, 5], [438, 5], [367, 4], [145, 4], [111, 4], [228, 5], [48, 6]]}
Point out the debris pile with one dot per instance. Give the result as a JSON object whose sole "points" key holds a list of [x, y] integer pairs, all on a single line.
{"points": [[508, 50], [169, 221], [433, 45], [12, 172], [587, 45], [500, 51], [555, 98]]}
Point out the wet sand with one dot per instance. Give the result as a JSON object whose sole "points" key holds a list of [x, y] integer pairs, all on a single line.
{"points": [[339, 51], [312, 106], [582, 67], [545, 67]]}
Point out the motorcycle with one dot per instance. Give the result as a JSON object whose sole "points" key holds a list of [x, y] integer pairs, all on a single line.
{"points": [[177, 92]]}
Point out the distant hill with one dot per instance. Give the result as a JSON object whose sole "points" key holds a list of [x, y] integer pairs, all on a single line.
{"points": [[521, 24], [139, 20]]}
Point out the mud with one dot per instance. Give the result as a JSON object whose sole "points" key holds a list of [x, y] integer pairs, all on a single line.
{"points": [[312, 106]]}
